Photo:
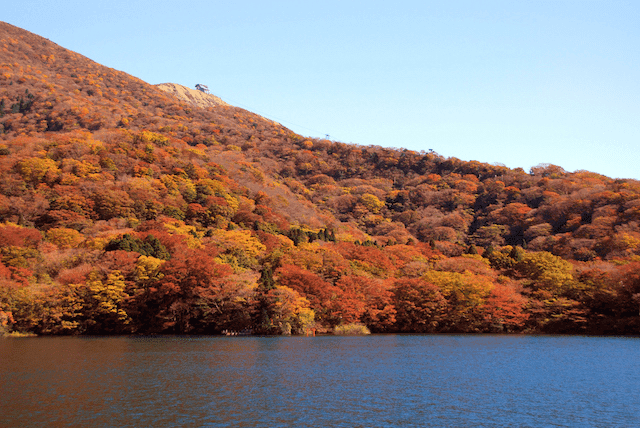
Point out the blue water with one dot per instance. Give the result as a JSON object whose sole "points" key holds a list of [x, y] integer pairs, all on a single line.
{"points": [[372, 381]]}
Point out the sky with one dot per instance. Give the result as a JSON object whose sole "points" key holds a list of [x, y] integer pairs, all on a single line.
{"points": [[517, 83]]}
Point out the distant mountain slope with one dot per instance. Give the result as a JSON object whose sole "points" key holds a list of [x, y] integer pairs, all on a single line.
{"points": [[192, 96]]}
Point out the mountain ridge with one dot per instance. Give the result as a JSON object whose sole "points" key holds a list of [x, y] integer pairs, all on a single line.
{"points": [[125, 209]]}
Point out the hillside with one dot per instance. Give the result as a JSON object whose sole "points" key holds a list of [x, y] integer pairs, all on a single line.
{"points": [[127, 209]]}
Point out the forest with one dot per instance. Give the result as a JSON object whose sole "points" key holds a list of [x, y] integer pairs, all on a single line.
{"points": [[125, 210]]}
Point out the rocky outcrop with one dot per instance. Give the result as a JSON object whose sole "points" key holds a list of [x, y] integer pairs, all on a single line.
{"points": [[192, 96]]}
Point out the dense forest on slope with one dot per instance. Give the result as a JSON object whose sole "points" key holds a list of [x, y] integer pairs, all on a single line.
{"points": [[125, 210]]}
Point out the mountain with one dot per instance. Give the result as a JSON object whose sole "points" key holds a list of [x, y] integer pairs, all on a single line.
{"points": [[126, 208]]}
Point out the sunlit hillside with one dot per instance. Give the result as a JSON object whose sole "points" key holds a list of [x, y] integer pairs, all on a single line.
{"points": [[125, 209]]}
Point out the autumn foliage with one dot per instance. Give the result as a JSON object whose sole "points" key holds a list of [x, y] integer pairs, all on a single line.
{"points": [[125, 210]]}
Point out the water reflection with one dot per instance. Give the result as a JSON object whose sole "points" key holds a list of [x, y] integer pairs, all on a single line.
{"points": [[374, 381]]}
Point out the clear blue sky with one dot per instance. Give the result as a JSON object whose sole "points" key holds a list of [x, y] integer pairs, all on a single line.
{"points": [[512, 82]]}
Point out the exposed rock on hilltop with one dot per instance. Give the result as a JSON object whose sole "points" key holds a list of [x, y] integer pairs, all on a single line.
{"points": [[192, 96]]}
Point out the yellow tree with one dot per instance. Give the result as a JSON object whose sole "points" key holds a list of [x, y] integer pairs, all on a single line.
{"points": [[37, 170], [465, 294], [547, 272], [557, 298], [371, 202], [64, 237], [104, 304], [288, 311]]}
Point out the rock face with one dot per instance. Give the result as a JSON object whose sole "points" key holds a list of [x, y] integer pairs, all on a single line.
{"points": [[192, 96]]}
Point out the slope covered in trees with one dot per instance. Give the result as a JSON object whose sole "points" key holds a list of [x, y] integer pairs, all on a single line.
{"points": [[125, 210]]}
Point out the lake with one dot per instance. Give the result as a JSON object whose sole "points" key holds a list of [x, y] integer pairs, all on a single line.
{"points": [[326, 381]]}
